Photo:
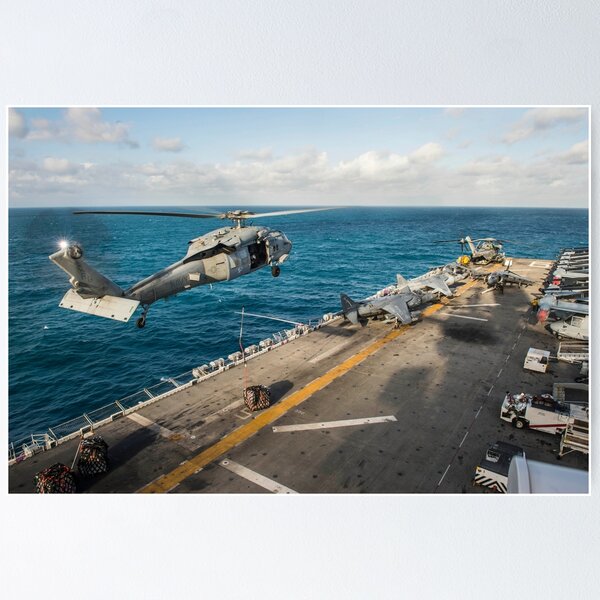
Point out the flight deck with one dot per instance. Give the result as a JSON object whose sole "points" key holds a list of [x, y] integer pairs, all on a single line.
{"points": [[372, 409]]}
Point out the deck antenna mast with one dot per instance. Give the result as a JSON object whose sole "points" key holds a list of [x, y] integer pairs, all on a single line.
{"points": [[245, 379]]}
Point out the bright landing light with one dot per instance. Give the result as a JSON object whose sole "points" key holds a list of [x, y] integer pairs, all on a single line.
{"points": [[63, 244]]}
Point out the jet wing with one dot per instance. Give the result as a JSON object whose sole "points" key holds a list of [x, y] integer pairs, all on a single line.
{"points": [[397, 306], [437, 284], [548, 303]]}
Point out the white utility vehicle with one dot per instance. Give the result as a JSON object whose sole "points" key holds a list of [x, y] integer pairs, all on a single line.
{"points": [[573, 327], [492, 470], [543, 413]]}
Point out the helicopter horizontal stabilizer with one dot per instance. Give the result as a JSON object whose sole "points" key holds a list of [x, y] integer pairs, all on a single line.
{"points": [[109, 307]]}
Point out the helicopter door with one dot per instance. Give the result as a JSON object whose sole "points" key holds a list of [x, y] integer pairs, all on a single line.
{"points": [[258, 255], [217, 267]]}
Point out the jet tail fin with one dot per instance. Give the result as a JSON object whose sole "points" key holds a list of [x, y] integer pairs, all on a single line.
{"points": [[350, 309], [402, 284]]}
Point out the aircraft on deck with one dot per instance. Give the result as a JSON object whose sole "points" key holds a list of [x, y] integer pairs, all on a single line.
{"points": [[498, 279], [549, 303], [399, 304], [561, 273], [483, 251]]}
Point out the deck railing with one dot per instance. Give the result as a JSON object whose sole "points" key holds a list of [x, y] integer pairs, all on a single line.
{"points": [[38, 442]]}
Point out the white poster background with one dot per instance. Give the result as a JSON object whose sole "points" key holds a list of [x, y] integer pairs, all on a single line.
{"points": [[167, 52]]}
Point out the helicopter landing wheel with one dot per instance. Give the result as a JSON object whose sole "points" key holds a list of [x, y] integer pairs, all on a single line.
{"points": [[141, 322], [275, 271]]}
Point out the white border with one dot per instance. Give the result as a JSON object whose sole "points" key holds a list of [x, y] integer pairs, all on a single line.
{"points": [[351, 547]]}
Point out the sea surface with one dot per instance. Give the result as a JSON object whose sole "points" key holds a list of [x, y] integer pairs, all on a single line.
{"points": [[63, 363]]}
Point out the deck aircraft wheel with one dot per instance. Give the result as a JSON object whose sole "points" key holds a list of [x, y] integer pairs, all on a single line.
{"points": [[141, 322], [275, 271]]}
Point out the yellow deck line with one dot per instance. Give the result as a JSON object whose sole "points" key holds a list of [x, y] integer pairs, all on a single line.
{"points": [[167, 482]]}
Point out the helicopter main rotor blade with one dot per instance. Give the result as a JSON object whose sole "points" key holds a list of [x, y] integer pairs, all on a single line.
{"points": [[444, 241], [153, 214], [278, 213]]}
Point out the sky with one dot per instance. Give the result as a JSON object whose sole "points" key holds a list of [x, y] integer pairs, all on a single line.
{"points": [[85, 156]]}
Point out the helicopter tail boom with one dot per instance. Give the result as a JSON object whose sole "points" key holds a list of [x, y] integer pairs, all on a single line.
{"points": [[92, 292]]}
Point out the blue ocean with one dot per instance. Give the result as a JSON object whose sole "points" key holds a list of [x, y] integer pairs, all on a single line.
{"points": [[63, 363]]}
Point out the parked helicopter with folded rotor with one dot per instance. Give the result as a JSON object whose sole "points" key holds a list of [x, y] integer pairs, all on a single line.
{"points": [[219, 255], [482, 251]]}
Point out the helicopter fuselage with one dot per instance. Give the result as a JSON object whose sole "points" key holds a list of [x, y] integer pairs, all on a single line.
{"points": [[219, 255]]}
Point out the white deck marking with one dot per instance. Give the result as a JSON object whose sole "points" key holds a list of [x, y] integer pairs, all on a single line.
{"points": [[479, 411], [470, 305], [181, 439], [500, 372], [257, 478], [463, 317], [217, 415], [539, 265], [328, 353], [463, 440], [330, 424], [490, 390], [507, 357], [244, 414], [444, 475], [151, 425]]}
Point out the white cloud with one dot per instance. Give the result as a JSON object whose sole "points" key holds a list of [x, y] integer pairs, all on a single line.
{"points": [[427, 153], [261, 154], [16, 124], [540, 119], [82, 125], [454, 111], [59, 165], [577, 154], [167, 144], [384, 177], [86, 125]]}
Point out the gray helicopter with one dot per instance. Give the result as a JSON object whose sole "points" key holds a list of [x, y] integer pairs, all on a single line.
{"points": [[219, 255], [486, 251]]}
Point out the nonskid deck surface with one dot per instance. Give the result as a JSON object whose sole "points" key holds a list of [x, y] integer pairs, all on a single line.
{"points": [[354, 409]]}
